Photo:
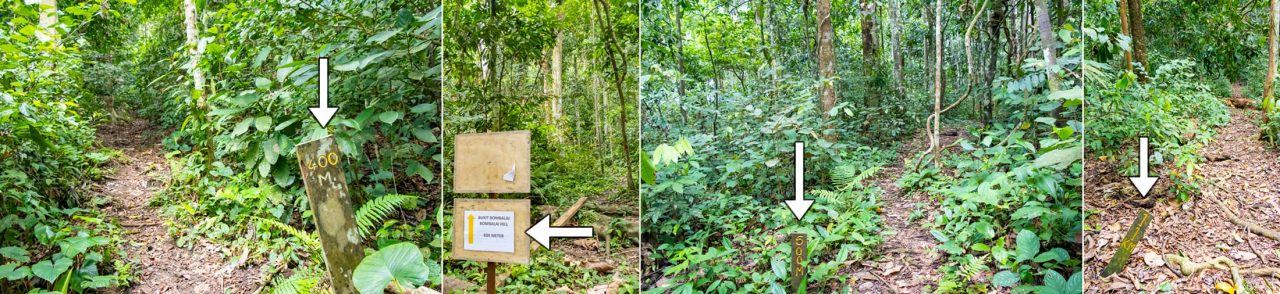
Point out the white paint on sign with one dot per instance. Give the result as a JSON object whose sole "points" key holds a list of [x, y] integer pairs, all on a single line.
{"points": [[493, 231], [510, 176]]}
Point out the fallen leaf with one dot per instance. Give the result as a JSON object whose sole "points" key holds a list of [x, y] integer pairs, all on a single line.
{"points": [[1152, 259]]}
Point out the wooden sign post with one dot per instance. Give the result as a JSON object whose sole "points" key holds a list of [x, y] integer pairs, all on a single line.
{"points": [[491, 230], [326, 185], [799, 260]]}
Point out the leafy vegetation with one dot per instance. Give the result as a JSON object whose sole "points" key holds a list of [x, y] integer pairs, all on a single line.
{"points": [[228, 87], [729, 87], [565, 71], [52, 238]]}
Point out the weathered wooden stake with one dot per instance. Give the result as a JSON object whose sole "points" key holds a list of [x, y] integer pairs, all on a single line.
{"points": [[799, 260], [491, 270], [326, 185]]}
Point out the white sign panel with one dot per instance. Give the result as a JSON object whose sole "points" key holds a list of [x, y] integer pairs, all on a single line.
{"points": [[493, 231]]}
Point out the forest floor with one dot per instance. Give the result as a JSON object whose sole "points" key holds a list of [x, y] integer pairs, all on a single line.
{"points": [[159, 265], [908, 261], [1243, 171]]}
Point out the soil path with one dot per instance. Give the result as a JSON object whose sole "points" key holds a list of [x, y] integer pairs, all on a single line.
{"points": [[908, 262], [159, 265], [1244, 171]]}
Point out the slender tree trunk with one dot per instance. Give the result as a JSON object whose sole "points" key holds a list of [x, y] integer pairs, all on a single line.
{"points": [[557, 71], [1268, 98], [715, 68], [1047, 44], [196, 49], [48, 21], [619, 76], [680, 53], [1136, 26], [1125, 30], [937, 81], [826, 56], [994, 22], [899, 83], [869, 54]]}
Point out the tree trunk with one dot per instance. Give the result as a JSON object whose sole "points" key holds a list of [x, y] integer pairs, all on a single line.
{"points": [[196, 49], [48, 21], [557, 71], [869, 54], [994, 22], [899, 83], [1126, 31], [1139, 36], [826, 56], [1268, 101], [619, 76], [937, 80], [1047, 44]]}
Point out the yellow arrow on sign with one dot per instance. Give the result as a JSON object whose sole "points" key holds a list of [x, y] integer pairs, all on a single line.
{"points": [[471, 229]]}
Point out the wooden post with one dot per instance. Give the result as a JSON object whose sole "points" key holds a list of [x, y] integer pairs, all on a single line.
{"points": [[491, 270], [799, 260], [326, 186]]}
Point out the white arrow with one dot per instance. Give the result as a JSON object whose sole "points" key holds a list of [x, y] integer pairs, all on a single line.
{"points": [[323, 113], [1143, 182], [800, 206], [543, 232]]}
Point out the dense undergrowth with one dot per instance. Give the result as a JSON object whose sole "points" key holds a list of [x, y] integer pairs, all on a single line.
{"points": [[52, 237], [232, 141], [1176, 110]]}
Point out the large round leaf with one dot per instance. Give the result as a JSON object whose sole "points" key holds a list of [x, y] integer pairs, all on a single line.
{"points": [[400, 263]]}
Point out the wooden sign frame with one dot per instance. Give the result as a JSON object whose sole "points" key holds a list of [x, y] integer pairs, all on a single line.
{"points": [[480, 161], [521, 209]]}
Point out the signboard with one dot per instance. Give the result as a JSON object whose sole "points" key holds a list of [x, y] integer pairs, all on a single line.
{"points": [[326, 185], [491, 162], [491, 230], [1127, 244], [495, 230], [799, 260]]}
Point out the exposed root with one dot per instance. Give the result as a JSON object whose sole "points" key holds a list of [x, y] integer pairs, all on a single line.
{"points": [[1187, 267], [1251, 227]]}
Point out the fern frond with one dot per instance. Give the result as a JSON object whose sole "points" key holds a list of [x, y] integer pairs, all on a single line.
{"points": [[301, 282], [371, 214], [310, 240], [848, 176]]}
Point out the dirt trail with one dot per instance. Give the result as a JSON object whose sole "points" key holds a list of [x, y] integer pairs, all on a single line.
{"points": [[908, 262], [1243, 167], [160, 266]]}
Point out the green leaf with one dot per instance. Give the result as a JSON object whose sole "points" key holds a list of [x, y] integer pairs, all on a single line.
{"points": [[362, 62], [13, 272], [416, 168], [271, 150], [282, 177], [1055, 281], [382, 36], [49, 271], [262, 83], [78, 11], [262, 123], [242, 127], [15, 253], [1060, 158], [401, 264], [425, 107], [77, 245], [648, 174], [262, 56], [1028, 245], [1005, 278], [390, 116], [425, 135]]}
